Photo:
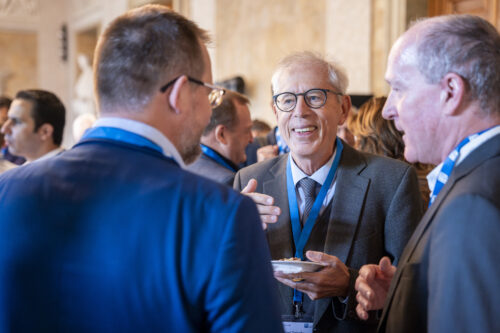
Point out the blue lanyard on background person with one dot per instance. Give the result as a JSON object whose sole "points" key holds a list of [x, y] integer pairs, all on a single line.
{"points": [[282, 146], [216, 157], [118, 134], [301, 235], [448, 165]]}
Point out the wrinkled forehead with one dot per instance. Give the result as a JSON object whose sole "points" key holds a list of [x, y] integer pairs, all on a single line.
{"points": [[299, 73]]}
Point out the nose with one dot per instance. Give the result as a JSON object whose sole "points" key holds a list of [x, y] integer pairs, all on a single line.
{"points": [[389, 111], [301, 107], [6, 127]]}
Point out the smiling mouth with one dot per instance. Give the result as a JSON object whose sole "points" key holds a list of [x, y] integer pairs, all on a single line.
{"points": [[304, 129]]}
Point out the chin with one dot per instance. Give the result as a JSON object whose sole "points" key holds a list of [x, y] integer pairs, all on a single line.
{"points": [[190, 154]]}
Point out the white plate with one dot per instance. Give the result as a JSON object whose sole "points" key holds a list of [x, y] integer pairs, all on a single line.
{"points": [[288, 267]]}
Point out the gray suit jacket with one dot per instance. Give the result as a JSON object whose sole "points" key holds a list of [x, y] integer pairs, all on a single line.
{"points": [[373, 213], [447, 278], [208, 168]]}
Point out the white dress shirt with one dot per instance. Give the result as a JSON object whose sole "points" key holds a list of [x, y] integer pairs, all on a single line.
{"points": [[319, 176]]}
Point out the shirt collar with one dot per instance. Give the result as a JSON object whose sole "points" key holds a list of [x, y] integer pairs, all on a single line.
{"points": [[319, 176], [464, 152], [144, 130]]}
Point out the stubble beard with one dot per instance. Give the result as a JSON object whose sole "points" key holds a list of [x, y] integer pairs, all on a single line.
{"points": [[191, 150]]}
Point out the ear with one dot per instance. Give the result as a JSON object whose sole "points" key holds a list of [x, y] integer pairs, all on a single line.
{"points": [[453, 91], [274, 110], [345, 107], [45, 132], [220, 134], [176, 98]]}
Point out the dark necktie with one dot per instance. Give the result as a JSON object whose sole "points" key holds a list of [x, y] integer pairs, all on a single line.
{"points": [[309, 187]]}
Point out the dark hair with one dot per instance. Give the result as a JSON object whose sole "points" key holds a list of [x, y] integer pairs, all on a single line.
{"points": [[261, 126], [140, 51], [5, 102], [47, 109], [466, 45], [225, 113], [373, 133]]}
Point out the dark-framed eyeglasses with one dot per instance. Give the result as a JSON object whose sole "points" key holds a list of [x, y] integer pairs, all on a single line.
{"points": [[314, 98], [214, 97]]}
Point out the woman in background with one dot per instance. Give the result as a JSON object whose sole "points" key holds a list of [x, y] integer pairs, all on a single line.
{"points": [[376, 135]]}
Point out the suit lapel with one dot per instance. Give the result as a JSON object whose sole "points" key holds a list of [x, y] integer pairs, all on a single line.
{"points": [[344, 218], [279, 233], [476, 158]]}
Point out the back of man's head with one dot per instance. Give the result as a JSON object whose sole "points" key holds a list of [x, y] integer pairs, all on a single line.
{"points": [[466, 45], [47, 109], [142, 50], [226, 113]]}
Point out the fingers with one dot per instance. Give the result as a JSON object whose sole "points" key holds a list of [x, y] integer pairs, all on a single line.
{"points": [[365, 292], [266, 152], [362, 314], [268, 213], [368, 272], [251, 186]]}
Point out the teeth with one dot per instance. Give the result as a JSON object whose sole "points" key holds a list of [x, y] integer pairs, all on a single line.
{"points": [[302, 130]]}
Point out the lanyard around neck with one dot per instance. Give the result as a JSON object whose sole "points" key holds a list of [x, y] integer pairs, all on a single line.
{"points": [[216, 157], [122, 135], [301, 235], [449, 164]]}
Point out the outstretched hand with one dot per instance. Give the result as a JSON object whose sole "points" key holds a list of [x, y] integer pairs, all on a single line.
{"points": [[372, 285], [268, 212], [331, 281]]}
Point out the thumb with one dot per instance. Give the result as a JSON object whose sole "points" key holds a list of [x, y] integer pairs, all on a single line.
{"points": [[275, 149], [320, 257], [251, 186], [385, 266]]}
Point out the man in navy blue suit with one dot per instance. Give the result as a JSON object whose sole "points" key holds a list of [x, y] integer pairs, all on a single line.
{"points": [[113, 235]]}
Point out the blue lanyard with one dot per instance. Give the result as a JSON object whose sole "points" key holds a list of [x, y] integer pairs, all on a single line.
{"points": [[301, 236], [282, 146], [119, 134], [216, 157], [449, 164]]}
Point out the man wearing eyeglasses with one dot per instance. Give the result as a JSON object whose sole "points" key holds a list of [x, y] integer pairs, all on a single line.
{"points": [[113, 235], [339, 207]]}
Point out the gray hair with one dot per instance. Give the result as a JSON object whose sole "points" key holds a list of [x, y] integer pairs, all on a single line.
{"points": [[336, 73], [140, 51], [466, 45]]}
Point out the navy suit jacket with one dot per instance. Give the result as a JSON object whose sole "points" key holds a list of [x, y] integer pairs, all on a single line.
{"points": [[112, 237], [448, 275]]}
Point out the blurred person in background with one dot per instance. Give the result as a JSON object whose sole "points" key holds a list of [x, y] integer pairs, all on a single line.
{"points": [[374, 134], [224, 140]]}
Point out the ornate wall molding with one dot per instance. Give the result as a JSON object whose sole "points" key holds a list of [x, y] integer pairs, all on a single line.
{"points": [[24, 8]]}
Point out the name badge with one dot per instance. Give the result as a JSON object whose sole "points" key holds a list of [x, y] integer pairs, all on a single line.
{"points": [[297, 327], [291, 324]]}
